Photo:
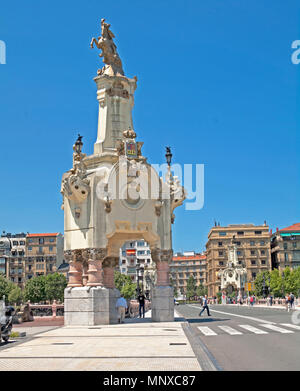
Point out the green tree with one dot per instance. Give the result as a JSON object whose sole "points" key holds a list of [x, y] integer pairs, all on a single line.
{"points": [[276, 283], [5, 286], [296, 281], [201, 290], [259, 283], [172, 284], [35, 289], [55, 285], [191, 287], [15, 296], [125, 285]]}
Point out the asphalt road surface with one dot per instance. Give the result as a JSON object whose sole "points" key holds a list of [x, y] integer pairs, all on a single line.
{"points": [[247, 338]]}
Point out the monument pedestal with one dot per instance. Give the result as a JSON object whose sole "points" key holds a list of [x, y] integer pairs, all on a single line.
{"points": [[90, 306], [162, 304]]}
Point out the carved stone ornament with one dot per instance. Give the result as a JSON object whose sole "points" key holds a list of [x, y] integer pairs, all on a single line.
{"points": [[118, 90], [75, 185]]}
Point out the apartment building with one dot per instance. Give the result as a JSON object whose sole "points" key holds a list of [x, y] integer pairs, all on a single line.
{"points": [[14, 255], [136, 262], [285, 247], [253, 251], [44, 253], [185, 265]]}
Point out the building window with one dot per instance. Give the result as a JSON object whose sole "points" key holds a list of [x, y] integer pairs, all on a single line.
{"points": [[253, 262], [41, 240], [30, 240], [51, 240], [252, 252], [257, 232], [29, 248], [221, 263], [262, 252], [295, 244], [285, 246], [253, 275], [239, 253], [240, 232], [263, 262], [22, 243], [220, 253], [15, 243], [220, 244], [50, 248], [262, 242], [222, 233], [252, 243], [286, 257]]}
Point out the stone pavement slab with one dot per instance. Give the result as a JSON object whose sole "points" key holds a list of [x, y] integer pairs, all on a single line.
{"points": [[131, 346]]}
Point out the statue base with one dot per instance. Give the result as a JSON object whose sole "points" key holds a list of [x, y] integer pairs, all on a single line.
{"points": [[90, 306], [162, 304]]}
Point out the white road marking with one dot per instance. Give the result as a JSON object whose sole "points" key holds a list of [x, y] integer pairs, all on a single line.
{"points": [[230, 330], [240, 316], [206, 331], [252, 329], [293, 326], [276, 328]]}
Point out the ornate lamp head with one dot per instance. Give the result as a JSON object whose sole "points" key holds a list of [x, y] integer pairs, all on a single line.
{"points": [[168, 155], [78, 145]]}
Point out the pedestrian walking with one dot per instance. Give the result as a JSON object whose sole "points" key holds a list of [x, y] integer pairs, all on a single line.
{"points": [[251, 301], [292, 300], [205, 306], [141, 300], [121, 305], [288, 303]]}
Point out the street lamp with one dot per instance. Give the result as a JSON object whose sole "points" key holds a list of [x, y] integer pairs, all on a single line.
{"points": [[168, 155], [78, 144], [138, 278]]}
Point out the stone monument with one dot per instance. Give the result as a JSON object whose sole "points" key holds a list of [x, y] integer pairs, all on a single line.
{"points": [[235, 274], [112, 196]]}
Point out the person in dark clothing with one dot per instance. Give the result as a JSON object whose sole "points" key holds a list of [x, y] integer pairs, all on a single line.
{"points": [[141, 300], [205, 306]]}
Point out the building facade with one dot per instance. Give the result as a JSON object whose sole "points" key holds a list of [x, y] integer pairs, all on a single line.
{"points": [[185, 265], [136, 262], [285, 247], [5, 247], [253, 251], [44, 253], [15, 257]]}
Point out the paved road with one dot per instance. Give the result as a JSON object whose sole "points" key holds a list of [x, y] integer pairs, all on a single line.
{"points": [[243, 338]]}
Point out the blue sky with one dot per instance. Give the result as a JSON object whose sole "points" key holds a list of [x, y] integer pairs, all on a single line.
{"points": [[215, 81]]}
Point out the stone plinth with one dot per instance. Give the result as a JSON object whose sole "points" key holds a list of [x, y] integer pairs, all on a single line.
{"points": [[89, 306], [163, 304]]}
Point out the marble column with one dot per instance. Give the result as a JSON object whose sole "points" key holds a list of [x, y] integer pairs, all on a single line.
{"points": [[162, 258], [95, 270], [75, 270], [109, 265]]}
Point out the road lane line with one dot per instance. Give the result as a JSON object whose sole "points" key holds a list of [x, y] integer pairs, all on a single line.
{"points": [[239, 316], [276, 328], [252, 329], [293, 326], [206, 331], [230, 330]]}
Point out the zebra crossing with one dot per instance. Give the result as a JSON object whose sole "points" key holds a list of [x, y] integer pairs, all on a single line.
{"points": [[247, 328]]}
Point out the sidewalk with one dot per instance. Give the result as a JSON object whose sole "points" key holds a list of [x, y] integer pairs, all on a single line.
{"points": [[136, 345]]}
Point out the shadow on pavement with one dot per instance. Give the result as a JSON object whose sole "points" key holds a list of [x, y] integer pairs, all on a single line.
{"points": [[205, 320]]}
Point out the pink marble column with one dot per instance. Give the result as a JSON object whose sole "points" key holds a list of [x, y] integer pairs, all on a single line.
{"points": [[85, 266], [109, 265], [162, 270], [162, 258], [95, 271], [75, 270]]}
